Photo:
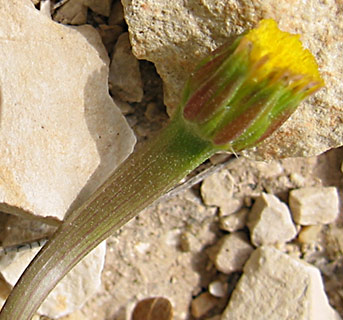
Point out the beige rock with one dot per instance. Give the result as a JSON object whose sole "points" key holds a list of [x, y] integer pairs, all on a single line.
{"points": [[231, 252], [73, 291], [270, 221], [314, 205], [217, 190], [125, 77], [309, 234], [175, 35], [61, 127], [275, 286], [235, 221]]}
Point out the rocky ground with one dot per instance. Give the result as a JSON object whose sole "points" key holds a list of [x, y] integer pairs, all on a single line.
{"points": [[249, 240]]}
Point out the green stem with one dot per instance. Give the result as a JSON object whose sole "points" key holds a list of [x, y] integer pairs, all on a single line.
{"points": [[140, 180]]}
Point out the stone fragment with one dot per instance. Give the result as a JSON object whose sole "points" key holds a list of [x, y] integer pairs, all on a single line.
{"points": [[218, 289], [73, 291], [203, 304], [125, 77], [314, 205], [175, 35], [217, 190], [61, 129], [231, 252], [72, 12], [309, 234], [270, 222], [275, 286], [234, 221]]}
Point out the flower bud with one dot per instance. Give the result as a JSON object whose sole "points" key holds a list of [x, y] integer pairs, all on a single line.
{"points": [[241, 93]]}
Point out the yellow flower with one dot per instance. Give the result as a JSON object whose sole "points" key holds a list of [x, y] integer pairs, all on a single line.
{"points": [[242, 92], [282, 52]]}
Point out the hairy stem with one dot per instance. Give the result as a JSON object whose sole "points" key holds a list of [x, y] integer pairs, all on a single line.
{"points": [[140, 180]]}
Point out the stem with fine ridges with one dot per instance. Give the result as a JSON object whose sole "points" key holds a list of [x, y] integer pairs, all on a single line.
{"points": [[140, 180]]}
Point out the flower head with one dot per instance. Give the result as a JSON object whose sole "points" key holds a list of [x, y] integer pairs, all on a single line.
{"points": [[241, 93]]}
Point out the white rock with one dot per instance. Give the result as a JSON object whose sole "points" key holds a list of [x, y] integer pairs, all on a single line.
{"points": [[270, 222], [217, 190], [218, 289], [314, 205], [231, 252], [59, 126], [235, 221], [125, 76], [175, 35], [309, 234], [275, 286], [73, 291]]}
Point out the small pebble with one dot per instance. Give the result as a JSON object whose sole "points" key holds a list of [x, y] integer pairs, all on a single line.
{"points": [[157, 308], [270, 222], [203, 304], [231, 252], [309, 234], [314, 205], [235, 221], [218, 289]]}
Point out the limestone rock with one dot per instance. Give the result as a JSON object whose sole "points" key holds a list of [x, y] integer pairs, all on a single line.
{"points": [[309, 234], [314, 205], [275, 286], [217, 190], [235, 221], [270, 221], [175, 35], [73, 291], [59, 127], [231, 252], [125, 77]]}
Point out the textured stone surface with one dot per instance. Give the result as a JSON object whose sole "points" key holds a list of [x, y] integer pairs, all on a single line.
{"points": [[275, 286], [59, 127], [217, 190], [270, 221], [73, 291], [235, 221], [314, 205], [231, 252], [125, 77], [175, 35]]}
